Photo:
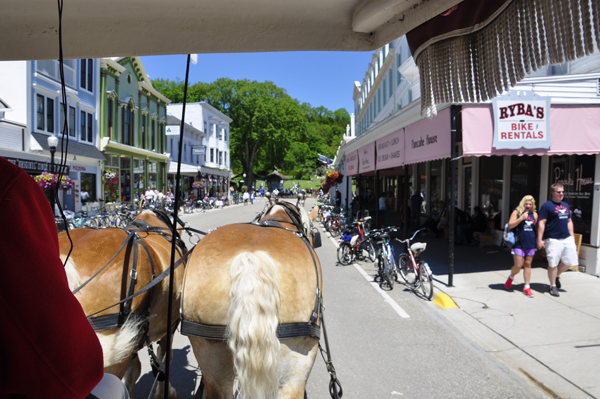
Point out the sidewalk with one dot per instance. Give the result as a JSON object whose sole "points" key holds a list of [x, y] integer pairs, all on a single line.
{"points": [[553, 342]]}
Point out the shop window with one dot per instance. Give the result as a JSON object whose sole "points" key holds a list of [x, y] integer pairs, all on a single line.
{"points": [[435, 182], [139, 180], [88, 185], [524, 179], [111, 178], [576, 174], [490, 187], [422, 184], [125, 179]]}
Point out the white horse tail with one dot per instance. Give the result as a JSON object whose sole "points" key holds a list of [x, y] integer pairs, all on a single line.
{"points": [[253, 316]]}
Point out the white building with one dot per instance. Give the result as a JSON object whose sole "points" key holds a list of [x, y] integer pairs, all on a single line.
{"points": [[207, 145]]}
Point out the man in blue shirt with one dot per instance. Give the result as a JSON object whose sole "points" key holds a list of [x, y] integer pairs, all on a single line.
{"points": [[555, 233]]}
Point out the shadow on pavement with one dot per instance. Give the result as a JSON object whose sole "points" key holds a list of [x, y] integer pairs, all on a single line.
{"points": [[183, 376]]}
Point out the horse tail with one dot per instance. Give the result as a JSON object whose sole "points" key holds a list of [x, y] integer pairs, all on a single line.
{"points": [[252, 320]]}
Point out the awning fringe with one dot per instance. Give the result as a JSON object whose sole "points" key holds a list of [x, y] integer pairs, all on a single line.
{"points": [[526, 36]]}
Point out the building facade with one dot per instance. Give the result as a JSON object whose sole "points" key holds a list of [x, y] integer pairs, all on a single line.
{"points": [[32, 110], [133, 118], [396, 148], [212, 153]]}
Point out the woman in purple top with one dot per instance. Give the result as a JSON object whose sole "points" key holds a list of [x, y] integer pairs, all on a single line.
{"points": [[523, 221]]}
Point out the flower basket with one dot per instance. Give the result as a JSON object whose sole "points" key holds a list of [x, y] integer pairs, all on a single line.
{"points": [[198, 185], [48, 181], [109, 174]]}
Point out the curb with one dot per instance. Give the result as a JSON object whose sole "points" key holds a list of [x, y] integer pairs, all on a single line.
{"points": [[444, 301]]}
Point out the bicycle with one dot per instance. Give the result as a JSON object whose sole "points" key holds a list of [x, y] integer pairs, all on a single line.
{"points": [[387, 269], [352, 248], [413, 270]]}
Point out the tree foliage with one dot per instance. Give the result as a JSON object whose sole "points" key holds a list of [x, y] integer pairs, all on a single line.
{"points": [[270, 129]]}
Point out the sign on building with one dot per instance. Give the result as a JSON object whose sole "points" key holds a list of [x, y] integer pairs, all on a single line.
{"points": [[521, 120]]}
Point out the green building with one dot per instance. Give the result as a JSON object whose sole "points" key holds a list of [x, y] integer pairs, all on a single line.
{"points": [[132, 131]]}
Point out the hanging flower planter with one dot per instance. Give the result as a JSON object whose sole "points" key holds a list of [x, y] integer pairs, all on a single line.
{"points": [[48, 181], [198, 185]]}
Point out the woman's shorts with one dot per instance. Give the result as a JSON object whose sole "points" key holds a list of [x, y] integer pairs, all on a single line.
{"points": [[523, 252], [564, 250]]}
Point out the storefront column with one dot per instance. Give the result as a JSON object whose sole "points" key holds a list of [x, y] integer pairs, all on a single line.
{"points": [[405, 196], [377, 195], [506, 190], [544, 188], [594, 234]]}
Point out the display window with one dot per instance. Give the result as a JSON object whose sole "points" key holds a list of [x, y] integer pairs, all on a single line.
{"points": [[490, 188], [576, 174]]}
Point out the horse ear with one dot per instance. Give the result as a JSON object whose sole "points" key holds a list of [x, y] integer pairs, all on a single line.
{"points": [[313, 214]]}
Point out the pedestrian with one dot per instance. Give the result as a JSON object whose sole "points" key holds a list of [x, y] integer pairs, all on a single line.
{"points": [[246, 197], [252, 196], [556, 234], [415, 207], [149, 196], [48, 347], [523, 221], [438, 219], [382, 205]]}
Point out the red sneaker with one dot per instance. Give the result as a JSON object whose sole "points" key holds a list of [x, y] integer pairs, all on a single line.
{"points": [[508, 283], [527, 291]]}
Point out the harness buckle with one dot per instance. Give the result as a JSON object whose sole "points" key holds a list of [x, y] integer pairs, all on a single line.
{"points": [[133, 274]]}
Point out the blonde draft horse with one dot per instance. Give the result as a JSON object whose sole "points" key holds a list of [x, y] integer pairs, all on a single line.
{"points": [[252, 279], [92, 249]]}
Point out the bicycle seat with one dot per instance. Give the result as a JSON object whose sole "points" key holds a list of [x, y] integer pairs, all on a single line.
{"points": [[418, 247]]}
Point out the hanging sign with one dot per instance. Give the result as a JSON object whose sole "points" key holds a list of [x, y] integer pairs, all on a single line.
{"points": [[521, 120]]}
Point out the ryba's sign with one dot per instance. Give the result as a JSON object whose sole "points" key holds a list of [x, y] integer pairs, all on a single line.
{"points": [[521, 120]]}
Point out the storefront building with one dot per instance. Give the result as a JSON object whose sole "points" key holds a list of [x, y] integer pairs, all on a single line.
{"points": [[205, 151], [132, 125], [495, 169], [31, 111]]}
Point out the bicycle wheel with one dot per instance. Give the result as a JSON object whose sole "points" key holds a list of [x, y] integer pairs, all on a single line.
{"points": [[90, 224], [387, 273], [328, 225], [425, 282], [371, 251], [344, 253], [406, 270]]}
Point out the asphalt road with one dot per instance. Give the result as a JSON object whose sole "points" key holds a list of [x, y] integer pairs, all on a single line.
{"points": [[383, 343]]}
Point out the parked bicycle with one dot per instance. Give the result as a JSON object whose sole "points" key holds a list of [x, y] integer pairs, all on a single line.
{"points": [[413, 270], [351, 247], [387, 269]]}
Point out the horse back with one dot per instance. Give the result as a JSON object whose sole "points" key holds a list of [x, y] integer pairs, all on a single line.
{"points": [[207, 282]]}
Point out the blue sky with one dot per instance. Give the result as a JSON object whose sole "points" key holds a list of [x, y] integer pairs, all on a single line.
{"points": [[318, 78]]}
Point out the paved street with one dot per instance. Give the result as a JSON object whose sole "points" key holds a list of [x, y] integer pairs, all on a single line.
{"points": [[409, 349]]}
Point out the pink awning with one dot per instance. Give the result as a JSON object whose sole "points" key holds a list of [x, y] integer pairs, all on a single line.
{"points": [[352, 164], [390, 150], [428, 139], [366, 156], [573, 130]]}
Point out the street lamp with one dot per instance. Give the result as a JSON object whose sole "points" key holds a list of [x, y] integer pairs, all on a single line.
{"points": [[52, 143]]}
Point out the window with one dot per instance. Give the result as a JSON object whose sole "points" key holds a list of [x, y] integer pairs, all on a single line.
{"points": [[390, 82], [220, 157], [50, 68], [152, 135], [83, 122], [524, 178], [127, 125], [45, 114], [220, 132], [212, 155], [86, 79], [72, 122], [171, 146], [490, 187], [143, 131], [185, 151], [577, 175], [110, 118], [204, 126]]}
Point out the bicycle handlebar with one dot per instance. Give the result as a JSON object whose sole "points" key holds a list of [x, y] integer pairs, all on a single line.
{"points": [[408, 240]]}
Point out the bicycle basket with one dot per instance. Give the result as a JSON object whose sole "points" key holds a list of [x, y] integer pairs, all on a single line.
{"points": [[418, 247]]}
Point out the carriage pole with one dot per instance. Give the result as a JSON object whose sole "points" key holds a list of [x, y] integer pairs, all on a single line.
{"points": [[174, 242]]}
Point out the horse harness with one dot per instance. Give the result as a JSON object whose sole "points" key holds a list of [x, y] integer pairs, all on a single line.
{"points": [[116, 320], [285, 330]]}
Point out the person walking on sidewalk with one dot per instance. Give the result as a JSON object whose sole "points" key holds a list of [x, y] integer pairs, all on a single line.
{"points": [[556, 234], [523, 221]]}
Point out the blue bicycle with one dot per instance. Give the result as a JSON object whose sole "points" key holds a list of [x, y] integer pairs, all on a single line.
{"points": [[387, 269]]}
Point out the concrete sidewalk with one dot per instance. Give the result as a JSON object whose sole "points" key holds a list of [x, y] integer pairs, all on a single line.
{"points": [[554, 342]]}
